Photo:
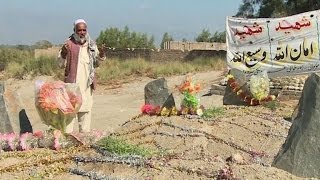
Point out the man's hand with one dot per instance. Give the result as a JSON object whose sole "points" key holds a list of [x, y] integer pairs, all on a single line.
{"points": [[102, 52], [64, 51]]}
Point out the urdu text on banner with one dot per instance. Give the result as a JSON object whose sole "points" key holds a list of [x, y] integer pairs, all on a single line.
{"points": [[281, 46]]}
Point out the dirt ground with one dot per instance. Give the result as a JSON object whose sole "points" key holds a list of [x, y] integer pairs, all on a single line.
{"points": [[196, 148], [113, 104]]}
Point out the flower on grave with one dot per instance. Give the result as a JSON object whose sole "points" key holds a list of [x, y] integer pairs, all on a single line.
{"points": [[190, 102], [259, 88], [189, 86], [174, 111], [57, 103], [150, 109], [9, 141], [23, 141], [165, 111], [199, 112]]}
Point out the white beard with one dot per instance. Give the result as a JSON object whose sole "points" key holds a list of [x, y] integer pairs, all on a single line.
{"points": [[79, 39]]}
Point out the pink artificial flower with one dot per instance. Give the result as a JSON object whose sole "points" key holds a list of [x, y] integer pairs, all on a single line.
{"points": [[150, 109], [98, 134], [78, 136], [23, 141], [10, 138], [38, 134], [147, 108]]}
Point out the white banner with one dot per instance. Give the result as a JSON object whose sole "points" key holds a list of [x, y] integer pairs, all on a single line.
{"points": [[281, 46]]}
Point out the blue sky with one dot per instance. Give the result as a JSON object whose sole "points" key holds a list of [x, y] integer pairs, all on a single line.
{"points": [[28, 21]]}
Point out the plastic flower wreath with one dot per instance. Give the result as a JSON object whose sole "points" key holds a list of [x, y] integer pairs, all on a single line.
{"points": [[57, 103], [258, 98], [190, 102]]}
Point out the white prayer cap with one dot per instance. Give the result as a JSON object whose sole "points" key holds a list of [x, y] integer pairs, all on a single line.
{"points": [[79, 21]]}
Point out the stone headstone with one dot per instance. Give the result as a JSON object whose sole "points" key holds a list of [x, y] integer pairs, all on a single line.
{"points": [[170, 103], [295, 113], [240, 77], [230, 97], [156, 92], [5, 124], [300, 153], [25, 125]]}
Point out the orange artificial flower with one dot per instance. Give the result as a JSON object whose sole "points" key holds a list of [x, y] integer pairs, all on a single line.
{"points": [[188, 86]]}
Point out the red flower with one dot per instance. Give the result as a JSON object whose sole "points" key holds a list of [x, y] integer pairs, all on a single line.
{"points": [[150, 109], [242, 95], [247, 99], [38, 134], [269, 98], [236, 89], [254, 102], [231, 80], [157, 110], [147, 109], [233, 85]]}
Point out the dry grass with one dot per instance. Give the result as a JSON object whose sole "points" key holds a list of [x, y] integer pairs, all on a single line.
{"points": [[33, 67], [114, 69]]}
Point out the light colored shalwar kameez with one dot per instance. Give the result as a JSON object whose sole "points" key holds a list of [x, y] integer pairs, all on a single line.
{"points": [[84, 114]]}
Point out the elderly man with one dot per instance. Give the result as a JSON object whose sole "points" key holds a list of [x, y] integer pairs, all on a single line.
{"points": [[80, 55]]}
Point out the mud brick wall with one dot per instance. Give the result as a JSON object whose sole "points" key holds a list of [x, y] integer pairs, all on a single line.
{"points": [[180, 45], [147, 54], [163, 54], [205, 54]]}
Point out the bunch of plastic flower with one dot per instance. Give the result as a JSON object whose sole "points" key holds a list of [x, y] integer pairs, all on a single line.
{"points": [[190, 103], [260, 95], [57, 103], [150, 109], [52, 139]]}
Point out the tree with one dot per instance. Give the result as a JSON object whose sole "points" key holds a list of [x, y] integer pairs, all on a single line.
{"points": [[275, 8], [184, 40], [219, 37], [272, 8], [165, 38], [204, 36], [151, 43], [247, 9], [114, 37], [299, 6]]}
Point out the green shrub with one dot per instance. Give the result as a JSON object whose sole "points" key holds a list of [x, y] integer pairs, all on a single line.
{"points": [[273, 105], [14, 70], [34, 67], [121, 147], [41, 66], [213, 112], [10, 55]]}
